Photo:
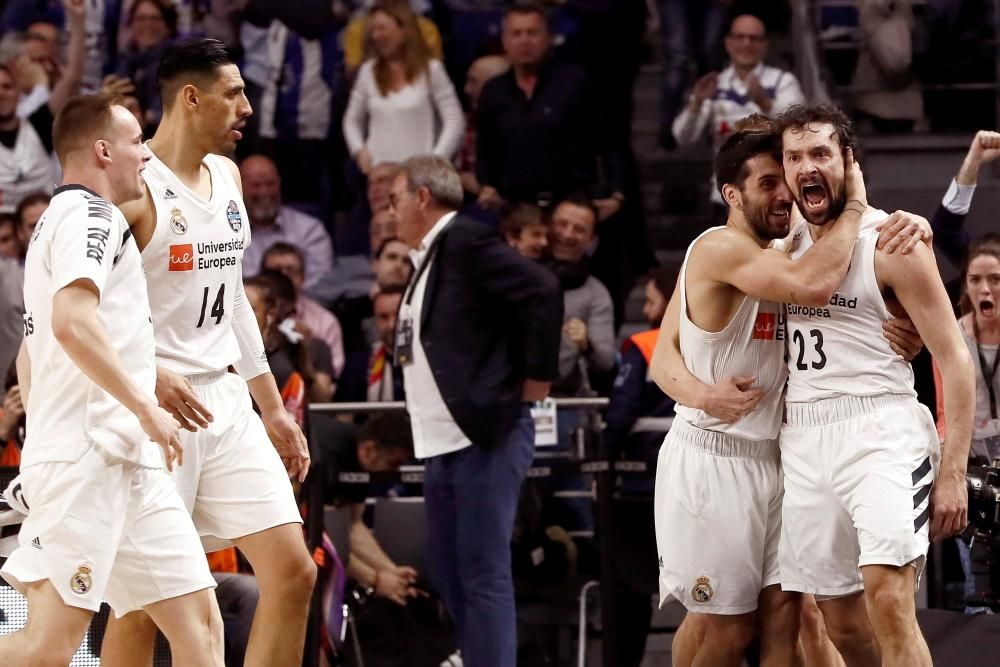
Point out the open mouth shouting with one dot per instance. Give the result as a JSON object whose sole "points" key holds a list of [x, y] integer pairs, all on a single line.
{"points": [[987, 308], [814, 197]]}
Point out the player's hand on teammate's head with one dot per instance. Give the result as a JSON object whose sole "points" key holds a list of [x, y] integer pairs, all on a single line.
{"points": [[949, 506], [164, 430], [854, 179], [903, 230], [287, 438], [732, 399], [176, 395]]}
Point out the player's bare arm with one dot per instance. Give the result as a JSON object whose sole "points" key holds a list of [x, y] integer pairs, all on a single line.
{"points": [[914, 280], [76, 326], [141, 217], [733, 258], [285, 434], [729, 401]]}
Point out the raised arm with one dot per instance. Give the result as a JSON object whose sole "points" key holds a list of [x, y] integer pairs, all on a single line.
{"points": [[915, 280], [69, 83]]}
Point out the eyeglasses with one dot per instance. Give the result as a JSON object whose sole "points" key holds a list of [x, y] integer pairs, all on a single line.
{"points": [[746, 37]]}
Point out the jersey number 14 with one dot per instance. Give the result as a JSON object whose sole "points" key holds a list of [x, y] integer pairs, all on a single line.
{"points": [[218, 307]]}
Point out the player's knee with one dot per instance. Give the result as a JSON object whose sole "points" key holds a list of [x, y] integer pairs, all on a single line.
{"points": [[300, 576], [847, 630], [51, 651], [811, 620]]}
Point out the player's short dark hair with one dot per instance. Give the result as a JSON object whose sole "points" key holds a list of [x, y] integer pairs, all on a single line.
{"points": [[519, 215], [731, 162], [385, 244], [194, 60], [523, 7], [29, 200], [797, 117], [283, 248], [390, 430], [82, 121]]}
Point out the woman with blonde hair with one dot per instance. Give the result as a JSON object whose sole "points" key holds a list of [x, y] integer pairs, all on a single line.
{"points": [[403, 103]]}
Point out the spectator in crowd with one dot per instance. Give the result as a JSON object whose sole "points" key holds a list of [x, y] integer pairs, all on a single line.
{"points": [[295, 111], [524, 226], [10, 244], [351, 237], [381, 444], [400, 96], [272, 222], [480, 71], [719, 99], [690, 38], [381, 379], [473, 297], [28, 212], [638, 418], [152, 28], [979, 308], [358, 39], [950, 235], [12, 422], [26, 163], [316, 320], [40, 49], [588, 334], [11, 310], [392, 264], [382, 227], [300, 363], [539, 136]]}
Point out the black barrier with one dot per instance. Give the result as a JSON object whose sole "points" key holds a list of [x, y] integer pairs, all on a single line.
{"points": [[603, 469]]}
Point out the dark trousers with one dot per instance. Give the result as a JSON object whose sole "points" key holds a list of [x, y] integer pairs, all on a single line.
{"points": [[471, 498]]}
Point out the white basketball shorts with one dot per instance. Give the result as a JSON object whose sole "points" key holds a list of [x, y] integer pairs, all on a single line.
{"points": [[232, 481], [104, 528], [718, 519], [858, 475]]}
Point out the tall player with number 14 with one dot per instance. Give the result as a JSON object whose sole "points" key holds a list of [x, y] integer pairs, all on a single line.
{"points": [[192, 228]]}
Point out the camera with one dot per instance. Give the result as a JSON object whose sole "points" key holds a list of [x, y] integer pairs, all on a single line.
{"points": [[983, 483]]}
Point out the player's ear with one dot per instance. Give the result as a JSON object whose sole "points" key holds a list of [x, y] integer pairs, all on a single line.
{"points": [[189, 95], [731, 195], [101, 149]]}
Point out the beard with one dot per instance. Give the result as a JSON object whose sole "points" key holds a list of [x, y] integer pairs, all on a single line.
{"points": [[766, 221]]}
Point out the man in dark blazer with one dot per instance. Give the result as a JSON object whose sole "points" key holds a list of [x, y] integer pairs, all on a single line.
{"points": [[478, 340]]}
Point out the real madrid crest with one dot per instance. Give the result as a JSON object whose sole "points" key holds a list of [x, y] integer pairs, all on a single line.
{"points": [[81, 582], [702, 591], [178, 224], [233, 215]]}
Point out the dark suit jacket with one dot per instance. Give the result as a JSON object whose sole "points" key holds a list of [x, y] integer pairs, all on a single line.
{"points": [[490, 318]]}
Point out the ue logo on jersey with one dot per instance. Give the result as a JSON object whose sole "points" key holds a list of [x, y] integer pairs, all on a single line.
{"points": [[765, 327], [233, 215], [181, 257]]}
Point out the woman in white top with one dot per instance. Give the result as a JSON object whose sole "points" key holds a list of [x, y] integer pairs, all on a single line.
{"points": [[403, 103]]}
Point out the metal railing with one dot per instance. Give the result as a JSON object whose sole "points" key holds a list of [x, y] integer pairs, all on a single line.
{"points": [[603, 470]]}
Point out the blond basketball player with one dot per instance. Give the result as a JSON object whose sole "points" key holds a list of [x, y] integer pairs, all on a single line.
{"points": [[106, 522], [192, 228]]}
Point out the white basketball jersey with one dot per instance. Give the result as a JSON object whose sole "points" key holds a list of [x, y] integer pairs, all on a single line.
{"points": [[82, 236], [838, 349], [752, 343], [193, 263]]}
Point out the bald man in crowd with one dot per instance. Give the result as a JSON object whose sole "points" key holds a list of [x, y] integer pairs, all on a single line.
{"points": [[480, 71], [271, 222]]}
